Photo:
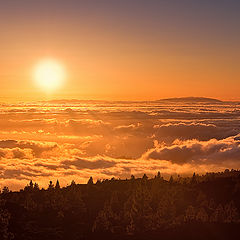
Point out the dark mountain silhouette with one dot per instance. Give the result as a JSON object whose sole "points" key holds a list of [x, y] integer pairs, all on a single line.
{"points": [[190, 100], [166, 100]]}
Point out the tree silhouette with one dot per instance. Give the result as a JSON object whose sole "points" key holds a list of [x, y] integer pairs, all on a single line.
{"points": [[50, 186], [115, 208], [57, 186], [36, 187], [4, 222], [194, 179], [5, 190], [90, 181], [202, 215], [158, 175]]}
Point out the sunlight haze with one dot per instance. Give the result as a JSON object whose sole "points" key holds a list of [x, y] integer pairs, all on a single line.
{"points": [[131, 50]]}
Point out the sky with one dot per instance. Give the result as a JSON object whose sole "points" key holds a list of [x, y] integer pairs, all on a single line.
{"points": [[122, 50]]}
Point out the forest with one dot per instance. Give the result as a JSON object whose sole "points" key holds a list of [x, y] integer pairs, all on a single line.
{"points": [[198, 207]]}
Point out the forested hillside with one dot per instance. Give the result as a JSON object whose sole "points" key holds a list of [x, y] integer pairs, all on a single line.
{"points": [[199, 207]]}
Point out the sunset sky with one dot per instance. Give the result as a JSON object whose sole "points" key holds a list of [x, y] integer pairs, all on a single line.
{"points": [[121, 50], [54, 55]]}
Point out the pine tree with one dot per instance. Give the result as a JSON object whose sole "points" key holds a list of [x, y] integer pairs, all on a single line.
{"points": [[90, 181], [36, 186], [5, 190], [50, 186], [218, 214], [105, 220], [31, 185], [4, 222], [98, 182], [138, 208], [73, 183], [57, 186], [202, 215], [231, 213], [194, 179], [144, 178], [190, 214]]}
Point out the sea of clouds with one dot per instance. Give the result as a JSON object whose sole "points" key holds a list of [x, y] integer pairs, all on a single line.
{"points": [[73, 140]]}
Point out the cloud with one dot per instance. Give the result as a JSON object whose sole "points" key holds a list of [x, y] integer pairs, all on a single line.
{"points": [[16, 153], [38, 148], [55, 125], [197, 152], [75, 139], [88, 164], [197, 130]]}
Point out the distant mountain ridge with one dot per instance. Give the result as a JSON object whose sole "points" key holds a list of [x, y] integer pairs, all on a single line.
{"points": [[165, 100], [190, 100]]}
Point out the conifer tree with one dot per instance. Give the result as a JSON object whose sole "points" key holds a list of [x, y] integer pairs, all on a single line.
{"points": [[90, 181], [57, 186]]}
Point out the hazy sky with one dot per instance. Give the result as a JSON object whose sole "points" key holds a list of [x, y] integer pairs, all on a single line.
{"points": [[128, 49]]}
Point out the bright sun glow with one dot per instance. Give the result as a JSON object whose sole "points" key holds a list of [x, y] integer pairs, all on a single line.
{"points": [[49, 75]]}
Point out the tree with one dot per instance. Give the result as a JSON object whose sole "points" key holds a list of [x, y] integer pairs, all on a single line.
{"points": [[211, 204], [166, 210], [190, 214], [5, 190], [4, 222], [145, 177], [73, 183], [194, 179], [98, 182], [105, 220], [231, 213], [158, 175], [137, 209], [202, 215], [171, 180], [57, 186], [202, 199], [36, 186], [29, 187], [90, 181], [218, 214], [50, 186]]}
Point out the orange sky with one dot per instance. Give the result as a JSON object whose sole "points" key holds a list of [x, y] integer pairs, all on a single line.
{"points": [[121, 51]]}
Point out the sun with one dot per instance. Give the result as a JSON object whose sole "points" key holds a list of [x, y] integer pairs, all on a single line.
{"points": [[49, 75]]}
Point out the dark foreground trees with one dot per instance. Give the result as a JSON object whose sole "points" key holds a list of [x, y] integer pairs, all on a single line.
{"points": [[201, 207]]}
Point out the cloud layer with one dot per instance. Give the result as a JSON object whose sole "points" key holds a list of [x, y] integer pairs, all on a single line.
{"points": [[75, 140]]}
